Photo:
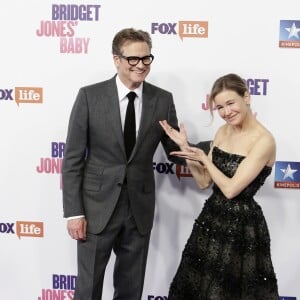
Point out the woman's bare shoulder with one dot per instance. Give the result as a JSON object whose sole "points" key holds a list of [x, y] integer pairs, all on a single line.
{"points": [[220, 134]]}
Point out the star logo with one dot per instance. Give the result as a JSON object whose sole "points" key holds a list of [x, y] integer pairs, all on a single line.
{"points": [[288, 172], [289, 34], [287, 175], [293, 31]]}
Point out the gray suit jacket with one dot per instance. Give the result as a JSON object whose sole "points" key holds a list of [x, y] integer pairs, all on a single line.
{"points": [[95, 164]]}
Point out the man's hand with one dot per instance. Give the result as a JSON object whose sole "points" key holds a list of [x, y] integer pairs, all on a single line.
{"points": [[77, 228]]}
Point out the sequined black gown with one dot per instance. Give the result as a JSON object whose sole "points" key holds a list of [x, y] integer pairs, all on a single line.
{"points": [[227, 256]]}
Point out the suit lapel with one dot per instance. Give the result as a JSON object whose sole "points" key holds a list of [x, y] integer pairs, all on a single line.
{"points": [[148, 109]]}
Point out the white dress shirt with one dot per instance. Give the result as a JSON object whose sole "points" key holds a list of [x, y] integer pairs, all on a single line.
{"points": [[123, 100]]}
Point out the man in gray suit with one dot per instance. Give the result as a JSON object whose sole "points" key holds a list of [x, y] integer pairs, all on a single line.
{"points": [[108, 197]]}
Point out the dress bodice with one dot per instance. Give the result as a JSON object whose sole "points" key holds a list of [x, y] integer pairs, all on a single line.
{"points": [[228, 163]]}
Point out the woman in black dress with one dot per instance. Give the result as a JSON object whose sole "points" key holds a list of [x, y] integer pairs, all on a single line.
{"points": [[227, 255]]}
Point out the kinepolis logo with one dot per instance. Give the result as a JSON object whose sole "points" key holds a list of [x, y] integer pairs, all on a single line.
{"points": [[63, 24], [63, 287], [289, 34], [287, 175], [53, 164], [33, 95]]}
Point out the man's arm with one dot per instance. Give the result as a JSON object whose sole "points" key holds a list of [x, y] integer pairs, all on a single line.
{"points": [[205, 146]]}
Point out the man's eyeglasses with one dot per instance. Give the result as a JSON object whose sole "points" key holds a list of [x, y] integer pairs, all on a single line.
{"points": [[134, 60]]}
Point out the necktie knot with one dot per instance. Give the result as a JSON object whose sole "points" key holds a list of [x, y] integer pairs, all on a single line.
{"points": [[131, 96]]}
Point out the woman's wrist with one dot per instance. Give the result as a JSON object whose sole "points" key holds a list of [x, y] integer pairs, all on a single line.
{"points": [[184, 147]]}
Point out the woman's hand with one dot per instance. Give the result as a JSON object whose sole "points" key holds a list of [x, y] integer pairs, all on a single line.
{"points": [[179, 137], [192, 153], [198, 163]]}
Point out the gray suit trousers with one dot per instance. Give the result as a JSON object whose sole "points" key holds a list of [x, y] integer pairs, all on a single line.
{"points": [[130, 247]]}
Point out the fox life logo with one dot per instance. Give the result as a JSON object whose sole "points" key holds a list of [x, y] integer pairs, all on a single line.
{"points": [[184, 29], [31, 95], [23, 228]]}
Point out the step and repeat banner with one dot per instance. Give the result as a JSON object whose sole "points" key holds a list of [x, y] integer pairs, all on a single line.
{"points": [[50, 49]]}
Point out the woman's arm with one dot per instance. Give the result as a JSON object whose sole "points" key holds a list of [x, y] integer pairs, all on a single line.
{"points": [[249, 168], [197, 169], [199, 173]]}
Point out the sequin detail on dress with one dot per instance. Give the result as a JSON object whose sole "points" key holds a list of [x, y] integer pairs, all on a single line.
{"points": [[227, 256]]}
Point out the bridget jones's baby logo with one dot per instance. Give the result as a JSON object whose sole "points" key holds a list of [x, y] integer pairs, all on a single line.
{"points": [[62, 288], [65, 19], [256, 86], [52, 164]]}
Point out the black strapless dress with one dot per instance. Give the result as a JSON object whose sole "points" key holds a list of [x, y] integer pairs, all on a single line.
{"points": [[227, 256]]}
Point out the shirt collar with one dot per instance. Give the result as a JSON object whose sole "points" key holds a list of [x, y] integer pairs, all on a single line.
{"points": [[123, 90]]}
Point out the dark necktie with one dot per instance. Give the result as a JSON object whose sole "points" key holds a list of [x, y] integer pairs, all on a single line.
{"points": [[129, 124]]}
